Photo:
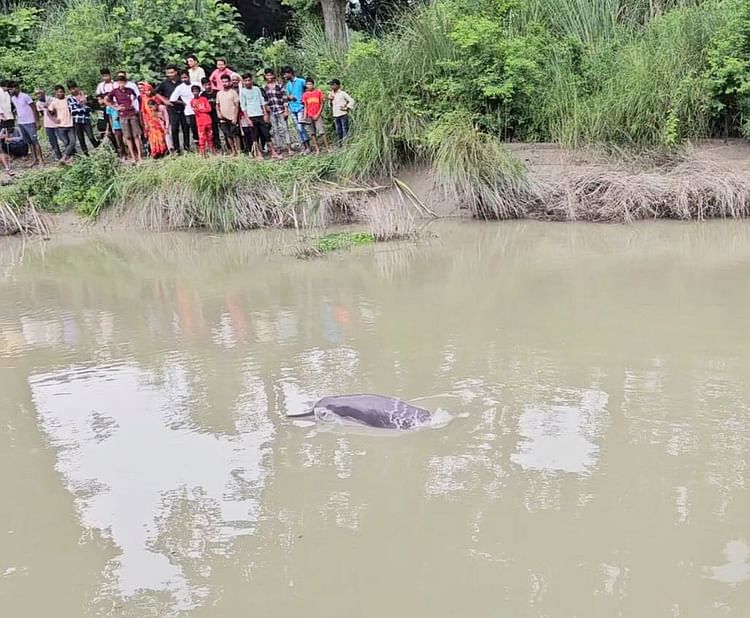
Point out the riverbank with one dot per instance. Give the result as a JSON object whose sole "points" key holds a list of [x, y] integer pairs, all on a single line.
{"points": [[706, 180]]}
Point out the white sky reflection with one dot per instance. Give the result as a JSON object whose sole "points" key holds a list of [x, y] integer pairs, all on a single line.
{"points": [[126, 452]]}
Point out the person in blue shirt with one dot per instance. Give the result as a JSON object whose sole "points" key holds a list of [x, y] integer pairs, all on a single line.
{"points": [[295, 88]]}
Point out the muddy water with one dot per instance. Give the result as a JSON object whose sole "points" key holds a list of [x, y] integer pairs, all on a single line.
{"points": [[601, 467]]}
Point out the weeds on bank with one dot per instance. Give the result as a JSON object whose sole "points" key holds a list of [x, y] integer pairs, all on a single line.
{"points": [[329, 243]]}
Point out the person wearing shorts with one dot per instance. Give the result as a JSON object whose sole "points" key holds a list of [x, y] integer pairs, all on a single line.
{"points": [[313, 101], [254, 107], [123, 99], [28, 118], [228, 110]]}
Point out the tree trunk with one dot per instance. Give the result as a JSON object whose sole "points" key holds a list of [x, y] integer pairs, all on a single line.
{"points": [[334, 20]]}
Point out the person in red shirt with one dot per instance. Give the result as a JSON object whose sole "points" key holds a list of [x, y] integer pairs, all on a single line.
{"points": [[221, 70], [203, 120], [123, 99], [313, 100]]}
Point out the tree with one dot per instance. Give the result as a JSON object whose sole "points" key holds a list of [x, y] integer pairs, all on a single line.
{"points": [[334, 20]]}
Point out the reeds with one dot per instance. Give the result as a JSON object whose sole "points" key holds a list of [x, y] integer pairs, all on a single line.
{"points": [[227, 194], [389, 218], [478, 171]]}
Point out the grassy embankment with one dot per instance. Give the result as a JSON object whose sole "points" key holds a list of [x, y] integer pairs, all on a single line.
{"points": [[444, 90]]}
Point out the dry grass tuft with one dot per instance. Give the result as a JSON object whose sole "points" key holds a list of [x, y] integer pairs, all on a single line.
{"points": [[690, 191], [389, 218], [24, 221]]}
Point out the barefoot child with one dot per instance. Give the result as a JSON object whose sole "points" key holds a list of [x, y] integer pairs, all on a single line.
{"points": [[312, 101]]}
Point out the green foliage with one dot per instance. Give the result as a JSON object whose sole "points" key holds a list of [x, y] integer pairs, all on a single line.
{"points": [[497, 72], [17, 40], [73, 40], [343, 240], [729, 66], [154, 33], [88, 185], [37, 189]]}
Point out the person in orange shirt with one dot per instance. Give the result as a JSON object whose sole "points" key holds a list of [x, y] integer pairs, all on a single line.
{"points": [[313, 100], [203, 121]]}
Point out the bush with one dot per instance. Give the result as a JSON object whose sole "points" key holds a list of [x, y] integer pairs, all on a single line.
{"points": [[729, 69]]}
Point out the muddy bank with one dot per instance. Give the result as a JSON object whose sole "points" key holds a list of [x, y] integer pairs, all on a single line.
{"points": [[706, 180]]}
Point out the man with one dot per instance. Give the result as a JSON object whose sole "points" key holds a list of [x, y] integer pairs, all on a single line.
{"points": [[197, 74], [220, 71], [123, 99], [182, 97], [164, 92], [295, 88], [278, 111], [79, 108], [254, 107], [341, 103], [106, 85], [59, 109], [228, 110], [7, 124], [50, 124], [313, 101], [7, 117], [28, 118], [210, 94]]}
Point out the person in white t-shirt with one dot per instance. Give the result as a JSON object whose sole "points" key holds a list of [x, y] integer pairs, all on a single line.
{"points": [[196, 72], [183, 95]]}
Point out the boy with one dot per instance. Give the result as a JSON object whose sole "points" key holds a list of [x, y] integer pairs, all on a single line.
{"points": [[278, 111], [106, 85], [203, 122], [295, 89], [254, 107], [28, 118], [111, 125], [341, 103], [59, 110], [123, 99], [210, 95], [228, 110], [50, 125], [313, 101], [79, 108]]}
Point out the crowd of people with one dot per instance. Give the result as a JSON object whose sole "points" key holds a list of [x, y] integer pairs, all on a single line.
{"points": [[187, 111]]}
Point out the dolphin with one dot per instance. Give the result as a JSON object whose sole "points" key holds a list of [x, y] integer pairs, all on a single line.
{"points": [[371, 410]]}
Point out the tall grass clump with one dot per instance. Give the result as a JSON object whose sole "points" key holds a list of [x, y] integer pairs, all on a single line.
{"points": [[586, 21], [222, 193], [478, 171], [640, 86]]}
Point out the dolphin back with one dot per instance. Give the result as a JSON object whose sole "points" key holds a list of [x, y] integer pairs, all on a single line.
{"points": [[373, 410]]}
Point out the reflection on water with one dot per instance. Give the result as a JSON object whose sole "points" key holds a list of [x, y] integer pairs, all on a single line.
{"points": [[597, 464], [165, 494], [560, 436]]}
